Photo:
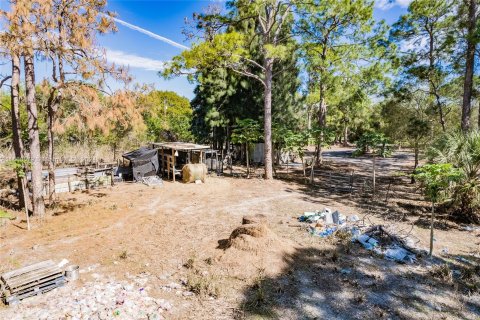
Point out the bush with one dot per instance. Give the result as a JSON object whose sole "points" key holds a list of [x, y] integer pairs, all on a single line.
{"points": [[462, 150]]}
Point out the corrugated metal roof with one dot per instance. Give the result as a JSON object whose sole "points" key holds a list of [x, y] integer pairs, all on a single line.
{"points": [[181, 146]]}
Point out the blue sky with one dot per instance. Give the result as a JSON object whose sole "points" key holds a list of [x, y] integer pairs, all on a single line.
{"points": [[145, 53]]}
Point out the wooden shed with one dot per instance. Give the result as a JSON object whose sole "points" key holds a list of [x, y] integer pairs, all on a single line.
{"points": [[174, 155]]}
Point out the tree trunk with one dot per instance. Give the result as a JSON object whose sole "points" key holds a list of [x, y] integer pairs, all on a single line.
{"points": [[416, 150], [345, 135], [34, 138], [374, 174], [322, 121], [478, 120], [432, 219], [16, 130], [433, 88], [469, 65], [248, 160], [52, 110], [268, 65]]}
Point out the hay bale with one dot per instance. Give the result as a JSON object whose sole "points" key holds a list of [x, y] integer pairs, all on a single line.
{"points": [[192, 172], [252, 219]]}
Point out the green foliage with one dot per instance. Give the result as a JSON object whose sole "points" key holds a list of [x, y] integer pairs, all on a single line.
{"points": [[437, 179], [462, 150], [296, 142], [167, 116], [345, 54], [325, 136], [19, 166], [373, 142], [223, 95], [5, 215], [246, 131], [429, 29]]}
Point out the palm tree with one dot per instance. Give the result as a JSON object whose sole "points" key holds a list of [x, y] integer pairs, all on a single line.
{"points": [[462, 150]]}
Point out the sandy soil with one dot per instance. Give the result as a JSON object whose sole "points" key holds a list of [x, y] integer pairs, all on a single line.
{"points": [[177, 233]]}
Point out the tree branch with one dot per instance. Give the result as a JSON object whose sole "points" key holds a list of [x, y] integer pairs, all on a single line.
{"points": [[3, 80]]}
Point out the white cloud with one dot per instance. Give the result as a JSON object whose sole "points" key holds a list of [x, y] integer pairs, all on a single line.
{"points": [[133, 61], [403, 3], [388, 4], [151, 34]]}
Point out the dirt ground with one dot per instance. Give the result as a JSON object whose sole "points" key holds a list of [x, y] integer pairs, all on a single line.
{"points": [[179, 233]]}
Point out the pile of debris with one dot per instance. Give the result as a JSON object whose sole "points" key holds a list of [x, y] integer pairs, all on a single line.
{"points": [[99, 299], [325, 223], [379, 239], [388, 244]]}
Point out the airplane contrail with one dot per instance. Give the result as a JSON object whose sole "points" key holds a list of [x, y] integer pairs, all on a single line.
{"points": [[151, 34]]}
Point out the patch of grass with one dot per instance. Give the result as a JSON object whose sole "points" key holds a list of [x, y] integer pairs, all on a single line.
{"points": [[471, 273], [442, 272], [258, 303], [259, 296], [359, 297], [5, 215], [203, 284], [190, 264], [123, 255], [471, 278]]}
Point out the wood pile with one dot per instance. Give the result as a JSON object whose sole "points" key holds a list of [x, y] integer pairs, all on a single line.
{"points": [[30, 281]]}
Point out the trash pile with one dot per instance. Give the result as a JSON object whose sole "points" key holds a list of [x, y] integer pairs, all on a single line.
{"points": [[325, 223], [152, 181], [384, 242], [96, 300], [376, 238]]}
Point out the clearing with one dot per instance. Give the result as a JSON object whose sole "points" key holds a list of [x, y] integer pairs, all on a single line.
{"points": [[171, 242]]}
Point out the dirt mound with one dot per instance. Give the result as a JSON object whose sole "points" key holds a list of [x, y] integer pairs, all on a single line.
{"points": [[257, 218], [253, 246], [252, 237]]}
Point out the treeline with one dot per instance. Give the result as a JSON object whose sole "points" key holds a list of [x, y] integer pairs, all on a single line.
{"points": [[73, 103], [329, 68], [89, 119]]}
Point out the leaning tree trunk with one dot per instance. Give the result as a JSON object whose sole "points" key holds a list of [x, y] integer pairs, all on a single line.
{"points": [[267, 126], [34, 138], [469, 65], [16, 130]]}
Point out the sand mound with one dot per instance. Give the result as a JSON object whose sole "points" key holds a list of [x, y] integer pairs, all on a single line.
{"points": [[254, 246], [251, 219], [252, 237]]}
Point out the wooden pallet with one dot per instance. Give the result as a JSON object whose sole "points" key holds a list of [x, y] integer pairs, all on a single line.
{"points": [[30, 281]]}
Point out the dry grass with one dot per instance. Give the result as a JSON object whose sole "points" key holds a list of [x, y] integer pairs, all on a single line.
{"points": [[443, 273]]}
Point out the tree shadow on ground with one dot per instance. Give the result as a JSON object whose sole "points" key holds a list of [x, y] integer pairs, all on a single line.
{"points": [[395, 198], [64, 207], [347, 282]]}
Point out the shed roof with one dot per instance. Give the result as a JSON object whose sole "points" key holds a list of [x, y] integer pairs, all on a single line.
{"points": [[180, 146], [139, 154]]}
